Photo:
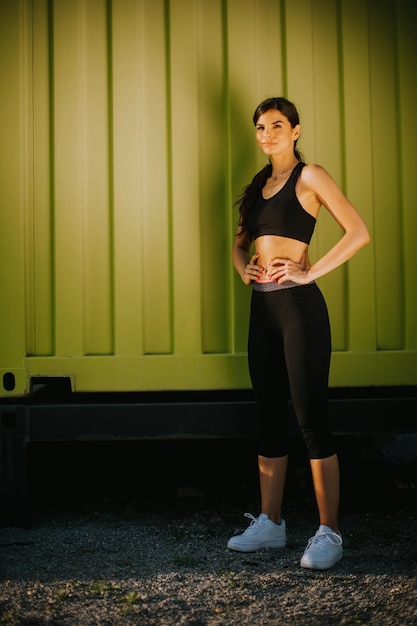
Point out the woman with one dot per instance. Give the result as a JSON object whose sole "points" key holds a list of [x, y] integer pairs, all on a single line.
{"points": [[289, 335]]}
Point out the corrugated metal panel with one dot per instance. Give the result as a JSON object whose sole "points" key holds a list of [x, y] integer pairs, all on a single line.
{"points": [[15, 186], [127, 136]]}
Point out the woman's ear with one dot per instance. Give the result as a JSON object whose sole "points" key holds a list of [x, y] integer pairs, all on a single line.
{"points": [[297, 131]]}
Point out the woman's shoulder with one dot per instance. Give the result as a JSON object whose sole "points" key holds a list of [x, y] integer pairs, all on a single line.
{"points": [[313, 174], [312, 169]]}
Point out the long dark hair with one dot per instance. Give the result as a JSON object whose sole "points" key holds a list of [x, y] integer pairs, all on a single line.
{"points": [[250, 193]]}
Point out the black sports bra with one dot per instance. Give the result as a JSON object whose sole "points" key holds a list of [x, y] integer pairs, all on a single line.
{"points": [[282, 214]]}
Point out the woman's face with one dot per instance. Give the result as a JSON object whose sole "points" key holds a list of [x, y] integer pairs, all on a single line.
{"points": [[274, 133]]}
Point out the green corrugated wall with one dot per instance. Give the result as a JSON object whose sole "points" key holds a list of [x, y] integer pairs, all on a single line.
{"points": [[125, 137]]}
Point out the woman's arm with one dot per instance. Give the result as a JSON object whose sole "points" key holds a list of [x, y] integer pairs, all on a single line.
{"points": [[244, 264]]}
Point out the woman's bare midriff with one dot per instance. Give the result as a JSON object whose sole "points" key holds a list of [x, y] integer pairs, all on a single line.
{"points": [[270, 247]]}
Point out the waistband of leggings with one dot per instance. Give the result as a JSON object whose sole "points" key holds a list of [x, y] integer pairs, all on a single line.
{"points": [[273, 286]]}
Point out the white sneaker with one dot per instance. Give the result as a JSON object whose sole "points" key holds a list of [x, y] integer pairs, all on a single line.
{"points": [[261, 533], [323, 550]]}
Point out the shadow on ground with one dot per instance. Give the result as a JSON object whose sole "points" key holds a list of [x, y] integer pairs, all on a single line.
{"points": [[138, 476]]}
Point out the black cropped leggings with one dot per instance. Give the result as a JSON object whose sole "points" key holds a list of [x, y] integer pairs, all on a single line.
{"points": [[289, 348]]}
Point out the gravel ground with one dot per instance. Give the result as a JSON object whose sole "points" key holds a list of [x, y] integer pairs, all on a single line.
{"points": [[154, 551]]}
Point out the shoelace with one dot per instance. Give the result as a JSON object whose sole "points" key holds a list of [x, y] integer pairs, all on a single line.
{"points": [[320, 540], [255, 524]]}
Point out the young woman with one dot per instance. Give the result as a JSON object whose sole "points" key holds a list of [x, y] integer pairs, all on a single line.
{"points": [[289, 344]]}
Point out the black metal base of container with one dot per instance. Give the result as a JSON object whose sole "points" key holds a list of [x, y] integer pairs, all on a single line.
{"points": [[52, 413]]}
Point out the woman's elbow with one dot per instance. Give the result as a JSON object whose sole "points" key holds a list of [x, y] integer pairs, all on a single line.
{"points": [[366, 237], [359, 237], [362, 235]]}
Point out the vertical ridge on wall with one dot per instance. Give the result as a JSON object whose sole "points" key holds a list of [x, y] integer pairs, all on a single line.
{"points": [[168, 104], [358, 159], [67, 178], [155, 173], [327, 124], [81, 165], [228, 191], [185, 177], [388, 242], [40, 288], [97, 245], [142, 221], [406, 19], [125, 58], [283, 36], [16, 176], [110, 148], [213, 208]]}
